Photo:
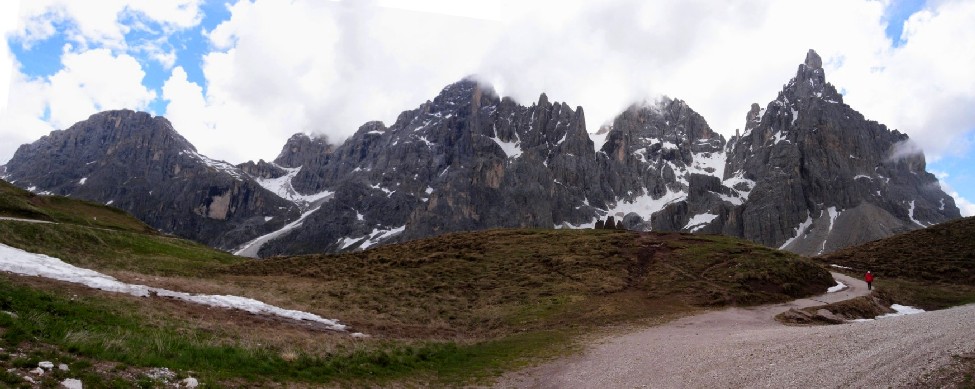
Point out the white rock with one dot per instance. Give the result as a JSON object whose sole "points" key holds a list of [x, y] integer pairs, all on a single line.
{"points": [[28, 379], [63, 367], [37, 371], [72, 383], [190, 382], [45, 365]]}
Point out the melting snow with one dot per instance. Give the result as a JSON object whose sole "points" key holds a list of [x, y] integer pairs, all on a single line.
{"points": [[911, 214], [282, 187], [83, 180], [859, 176], [836, 288], [699, 221], [511, 149], [371, 238], [832, 218], [899, 310], [800, 229], [646, 205], [795, 116], [702, 161], [780, 137], [251, 248], [215, 164], [741, 195], [21, 262]]}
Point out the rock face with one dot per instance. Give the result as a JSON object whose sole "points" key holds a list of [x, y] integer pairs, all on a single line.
{"points": [[808, 174], [139, 163], [822, 177]]}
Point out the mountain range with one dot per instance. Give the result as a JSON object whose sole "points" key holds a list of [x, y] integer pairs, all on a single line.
{"points": [[808, 174]]}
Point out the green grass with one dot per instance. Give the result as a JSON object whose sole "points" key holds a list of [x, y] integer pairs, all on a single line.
{"points": [[110, 330], [931, 268], [19, 203], [116, 250]]}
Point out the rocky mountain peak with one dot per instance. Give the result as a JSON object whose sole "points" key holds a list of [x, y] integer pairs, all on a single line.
{"points": [[813, 60], [302, 149], [139, 163]]}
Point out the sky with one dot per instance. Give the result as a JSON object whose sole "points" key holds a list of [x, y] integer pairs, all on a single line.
{"points": [[238, 77]]}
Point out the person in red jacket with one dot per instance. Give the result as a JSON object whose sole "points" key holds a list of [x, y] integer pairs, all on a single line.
{"points": [[869, 278]]}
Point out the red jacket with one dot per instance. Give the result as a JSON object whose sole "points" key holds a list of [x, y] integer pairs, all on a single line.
{"points": [[869, 277]]}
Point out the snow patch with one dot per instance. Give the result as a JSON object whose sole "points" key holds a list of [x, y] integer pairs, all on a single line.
{"points": [[282, 187], [250, 249], [739, 195], [836, 288], [699, 221], [647, 205], [780, 137], [511, 149], [371, 239], [18, 261], [841, 267], [800, 230], [222, 166], [833, 214], [701, 162], [83, 180], [910, 213], [901, 310]]}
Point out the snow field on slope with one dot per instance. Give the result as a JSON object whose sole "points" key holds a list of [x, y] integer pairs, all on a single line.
{"points": [[18, 261]]}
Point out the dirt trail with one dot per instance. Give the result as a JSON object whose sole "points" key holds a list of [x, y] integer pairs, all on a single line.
{"points": [[745, 347]]}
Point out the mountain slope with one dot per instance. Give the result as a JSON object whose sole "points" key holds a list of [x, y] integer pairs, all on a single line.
{"points": [[809, 174], [139, 163], [824, 176], [942, 253]]}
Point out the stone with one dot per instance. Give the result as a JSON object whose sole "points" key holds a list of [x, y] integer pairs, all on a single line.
{"points": [[72, 383], [46, 365], [190, 382]]}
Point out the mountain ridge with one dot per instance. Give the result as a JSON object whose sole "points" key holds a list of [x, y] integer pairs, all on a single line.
{"points": [[809, 174]]}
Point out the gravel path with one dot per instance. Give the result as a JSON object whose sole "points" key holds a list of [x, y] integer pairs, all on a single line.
{"points": [[747, 348]]}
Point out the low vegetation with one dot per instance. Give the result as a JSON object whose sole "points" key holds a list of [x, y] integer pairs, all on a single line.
{"points": [[449, 310], [500, 282], [931, 268]]}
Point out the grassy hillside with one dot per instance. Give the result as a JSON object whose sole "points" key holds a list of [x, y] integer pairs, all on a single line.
{"points": [[442, 311], [498, 282], [930, 268], [99, 237], [19, 203]]}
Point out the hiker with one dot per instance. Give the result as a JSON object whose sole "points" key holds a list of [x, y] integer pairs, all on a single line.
{"points": [[869, 278]]}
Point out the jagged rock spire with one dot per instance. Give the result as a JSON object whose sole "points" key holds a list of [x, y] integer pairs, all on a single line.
{"points": [[813, 60]]}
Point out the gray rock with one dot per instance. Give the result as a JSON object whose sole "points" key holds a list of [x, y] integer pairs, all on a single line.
{"points": [[138, 163]]}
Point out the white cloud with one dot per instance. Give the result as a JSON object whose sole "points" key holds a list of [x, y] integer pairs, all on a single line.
{"points": [[97, 22], [318, 67], [8, 23], [93, 81], [966, 207]]}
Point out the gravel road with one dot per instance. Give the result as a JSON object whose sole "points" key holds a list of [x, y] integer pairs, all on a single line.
{"points": [[747, 348]]}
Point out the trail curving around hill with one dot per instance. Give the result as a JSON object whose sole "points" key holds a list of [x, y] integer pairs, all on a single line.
{"points": [[746, 347]]}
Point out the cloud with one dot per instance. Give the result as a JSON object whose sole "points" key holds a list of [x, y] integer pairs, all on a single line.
{"points": [[90, 82], [96, 23], [278, 68], [966, 207], [904, 149], [93, 81]]}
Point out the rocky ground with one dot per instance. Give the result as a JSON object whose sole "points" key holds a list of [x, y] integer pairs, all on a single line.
{"points": [[747, 348]]}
